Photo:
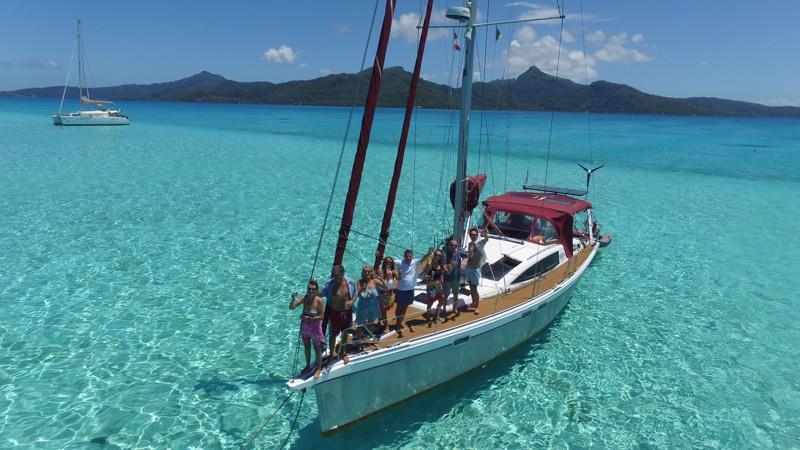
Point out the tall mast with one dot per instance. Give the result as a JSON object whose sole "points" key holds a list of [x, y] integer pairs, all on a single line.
{"points": [[80, 63], [366, 129], [401, 146], [460, 218]]}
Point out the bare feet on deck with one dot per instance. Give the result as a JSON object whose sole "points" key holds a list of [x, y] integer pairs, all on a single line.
{"points": [[345, 359], [317, 373], [476, 312]]}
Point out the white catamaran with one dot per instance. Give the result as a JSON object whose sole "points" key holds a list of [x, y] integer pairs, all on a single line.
{"points": [[540, 242], [91, 112]]}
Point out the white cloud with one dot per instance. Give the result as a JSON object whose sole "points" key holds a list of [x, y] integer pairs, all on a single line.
{"points": [[541, 11], [429, 76], [528, 49], [325, 71], [637, 38], [40, 63], [596, 36], [781, 102], [406, 26], [280, 55], [302, 65], [615, 50]]}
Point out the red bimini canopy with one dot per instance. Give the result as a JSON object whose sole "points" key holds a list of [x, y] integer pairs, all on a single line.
{"points": [[556, 208]]}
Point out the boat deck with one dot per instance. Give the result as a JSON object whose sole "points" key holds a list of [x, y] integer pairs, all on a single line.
{"points": [[415, 326]]}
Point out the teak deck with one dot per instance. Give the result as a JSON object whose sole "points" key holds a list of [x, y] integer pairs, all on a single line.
{"points": [[415, 326]]}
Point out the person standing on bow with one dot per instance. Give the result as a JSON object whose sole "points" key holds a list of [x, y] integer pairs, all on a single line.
{"points": [[408, 270], [476, 255], [311, 324], [338, 291]]}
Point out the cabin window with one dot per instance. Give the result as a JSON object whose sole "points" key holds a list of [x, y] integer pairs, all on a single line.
{"points": [[498, 269], [544, 231], [546, 264], [513, 225]]}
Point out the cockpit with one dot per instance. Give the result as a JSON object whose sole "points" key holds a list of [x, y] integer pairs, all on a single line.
{"points": [[520, 226]]}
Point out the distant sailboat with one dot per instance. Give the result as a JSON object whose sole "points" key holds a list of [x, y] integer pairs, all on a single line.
{"points": [[92, 112]]}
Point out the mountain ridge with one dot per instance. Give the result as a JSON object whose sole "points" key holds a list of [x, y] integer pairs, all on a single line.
{"points": [[533, 90]]}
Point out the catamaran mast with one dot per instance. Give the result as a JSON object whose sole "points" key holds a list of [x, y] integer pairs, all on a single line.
{"points": [[460, 218]]}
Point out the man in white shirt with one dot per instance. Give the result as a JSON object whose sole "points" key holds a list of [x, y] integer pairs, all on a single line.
{"points": [[408, 269]]}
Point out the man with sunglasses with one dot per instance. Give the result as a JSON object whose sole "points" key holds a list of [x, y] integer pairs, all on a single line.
{"points": [[338, 291], [452, 273], [311, 324]]}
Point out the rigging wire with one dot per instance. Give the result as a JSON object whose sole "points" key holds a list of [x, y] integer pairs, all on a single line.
{"points": [[294, 422], [447, 151], [586, 80], [69, 73], [339, 165], [553, 113]]}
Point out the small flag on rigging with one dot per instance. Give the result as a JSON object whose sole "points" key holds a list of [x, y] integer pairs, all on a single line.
{"points": [[497, 34], [456, 47]]}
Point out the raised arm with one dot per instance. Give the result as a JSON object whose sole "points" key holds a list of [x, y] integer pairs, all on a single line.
{"points": [[295, 302]]}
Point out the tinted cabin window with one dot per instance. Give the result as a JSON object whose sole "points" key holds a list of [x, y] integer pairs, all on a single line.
{"points": [[499, 269], [539, 268]]}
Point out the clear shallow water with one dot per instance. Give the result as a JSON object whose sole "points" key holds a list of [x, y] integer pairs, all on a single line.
{"points": [[145, 271]]}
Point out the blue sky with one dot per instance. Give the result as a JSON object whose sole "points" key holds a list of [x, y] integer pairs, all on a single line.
{"points": [[733, 49]]}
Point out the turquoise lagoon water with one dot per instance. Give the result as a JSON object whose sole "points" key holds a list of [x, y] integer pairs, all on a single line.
{"points": [[145, 273]]}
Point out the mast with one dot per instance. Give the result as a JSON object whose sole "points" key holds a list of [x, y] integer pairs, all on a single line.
{"points": [[401, 147], [80, 64], [459, 218], [366, 129]]}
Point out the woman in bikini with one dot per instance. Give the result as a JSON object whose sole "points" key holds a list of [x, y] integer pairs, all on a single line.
{"points": [[389, 274], [434, 281], [311, 323]]}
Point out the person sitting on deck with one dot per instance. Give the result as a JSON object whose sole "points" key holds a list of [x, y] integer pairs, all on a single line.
{"points": [[408, 270], [475, 258], [338, 292], [544, 232], [311, 324], [434, 283], [451, 259], [366, 301], [388, 272]]}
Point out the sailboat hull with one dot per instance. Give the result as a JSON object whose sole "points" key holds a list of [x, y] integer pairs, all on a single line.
{"points": [[373, 385], [89, 119]]}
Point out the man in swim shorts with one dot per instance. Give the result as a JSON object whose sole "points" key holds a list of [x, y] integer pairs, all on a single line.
{"points": [[338, 291]]}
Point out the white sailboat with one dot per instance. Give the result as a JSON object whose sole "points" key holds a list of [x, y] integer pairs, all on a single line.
{"points": [[92, 111], [540, 242]]}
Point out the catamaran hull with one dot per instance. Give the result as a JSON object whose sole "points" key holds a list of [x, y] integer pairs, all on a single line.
{"points": [[89, 120], [402, 375]]}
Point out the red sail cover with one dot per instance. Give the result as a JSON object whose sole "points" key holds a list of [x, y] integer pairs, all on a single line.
{"points": [[473, 196]]}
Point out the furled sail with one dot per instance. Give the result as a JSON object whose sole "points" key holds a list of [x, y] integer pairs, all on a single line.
{"points": [[89, 101]]}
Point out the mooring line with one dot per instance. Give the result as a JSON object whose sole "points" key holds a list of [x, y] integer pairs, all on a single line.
{"points": [[252, 440]]}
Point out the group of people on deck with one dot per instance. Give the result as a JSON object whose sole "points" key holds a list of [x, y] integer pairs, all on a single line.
{"points": [[379, 290]]}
